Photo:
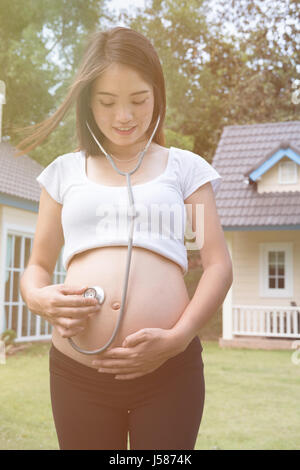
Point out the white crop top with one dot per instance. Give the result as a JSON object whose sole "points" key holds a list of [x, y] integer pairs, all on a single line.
{"points": [[95, 215]]}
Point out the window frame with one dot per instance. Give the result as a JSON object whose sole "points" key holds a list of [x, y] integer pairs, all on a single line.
{"points": [[288, 290], [294, 178], [43, 329]]}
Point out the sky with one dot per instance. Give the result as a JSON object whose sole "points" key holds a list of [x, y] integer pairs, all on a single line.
{"points": [[117, 5]]}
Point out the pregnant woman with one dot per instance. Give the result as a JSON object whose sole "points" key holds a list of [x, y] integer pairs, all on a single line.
{"points": [[148, 384]]}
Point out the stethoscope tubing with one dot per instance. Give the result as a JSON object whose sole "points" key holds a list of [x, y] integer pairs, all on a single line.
{"points": [[132, 214]]}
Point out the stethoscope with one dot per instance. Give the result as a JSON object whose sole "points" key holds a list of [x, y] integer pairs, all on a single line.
{"points": [[96, 291]]}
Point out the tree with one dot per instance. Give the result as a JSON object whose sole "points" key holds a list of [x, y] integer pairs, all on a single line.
{"points": [[40, 46], [216, 77]]}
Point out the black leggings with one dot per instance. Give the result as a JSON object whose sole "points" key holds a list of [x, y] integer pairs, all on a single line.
{"points": [[160, 410]]}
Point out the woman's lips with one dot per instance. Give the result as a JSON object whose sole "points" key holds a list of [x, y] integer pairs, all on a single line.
{"points": [[130, 131]]}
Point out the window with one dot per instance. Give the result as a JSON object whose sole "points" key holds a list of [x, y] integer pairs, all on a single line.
{"points": [[276, 270], [17, 316], [287, 172]]}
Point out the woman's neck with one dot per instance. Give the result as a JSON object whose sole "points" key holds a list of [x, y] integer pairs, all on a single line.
{"points": [[129, 152]]}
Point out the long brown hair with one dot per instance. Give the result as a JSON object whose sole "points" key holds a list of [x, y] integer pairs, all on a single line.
{"points": [[116, 45]]}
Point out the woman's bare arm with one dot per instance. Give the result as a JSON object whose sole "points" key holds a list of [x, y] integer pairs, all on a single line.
{"points": [[48, 241]]}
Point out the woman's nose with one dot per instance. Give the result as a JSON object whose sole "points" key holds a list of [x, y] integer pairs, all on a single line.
{"points": [[123, 115]]}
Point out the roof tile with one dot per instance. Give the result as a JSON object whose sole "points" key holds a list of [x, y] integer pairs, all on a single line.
{"points": [[240, 149], [18, 174]]}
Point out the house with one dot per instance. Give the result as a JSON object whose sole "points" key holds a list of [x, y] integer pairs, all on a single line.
{"points": [[19, 200], [259, 207]]}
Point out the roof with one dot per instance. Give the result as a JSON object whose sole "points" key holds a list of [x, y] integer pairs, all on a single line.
{"points": [[242, 149], [289, 150], [17, 176]]}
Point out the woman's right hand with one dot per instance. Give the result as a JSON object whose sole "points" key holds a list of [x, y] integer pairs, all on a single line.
{"points": [[64, 307]]}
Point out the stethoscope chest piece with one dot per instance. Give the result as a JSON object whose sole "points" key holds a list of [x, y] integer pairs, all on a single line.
{"points": [[95, 292]]}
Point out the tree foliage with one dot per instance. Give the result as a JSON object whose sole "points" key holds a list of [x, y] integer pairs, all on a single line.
{"points": [[40, 45], [225, 62]]}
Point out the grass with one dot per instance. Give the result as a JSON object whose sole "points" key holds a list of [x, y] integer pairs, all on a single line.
{"points": [[25, 409], [252, 400]]}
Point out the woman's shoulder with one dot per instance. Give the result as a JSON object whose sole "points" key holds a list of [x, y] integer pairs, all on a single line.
{"points": [[187, 157], [67, 156], [160, 149], [184, 159], [67, 160], [185, 152], [63, 166]]}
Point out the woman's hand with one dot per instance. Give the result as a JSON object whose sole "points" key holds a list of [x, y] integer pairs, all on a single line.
{"points": [[64, 307], [141, 352]]}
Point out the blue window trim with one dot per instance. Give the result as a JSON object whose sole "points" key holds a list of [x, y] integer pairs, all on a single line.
{"points": [[276, 157]]}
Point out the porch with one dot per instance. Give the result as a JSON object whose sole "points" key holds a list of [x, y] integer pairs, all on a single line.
{"points": [[262, 327]]}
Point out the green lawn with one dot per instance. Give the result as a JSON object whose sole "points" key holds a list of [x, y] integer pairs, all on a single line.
{"points": [[252, 400]]}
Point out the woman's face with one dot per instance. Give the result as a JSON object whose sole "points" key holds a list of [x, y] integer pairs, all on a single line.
{"points": [[120, 99]]}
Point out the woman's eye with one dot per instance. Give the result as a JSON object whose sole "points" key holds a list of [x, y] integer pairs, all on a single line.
{"points": [[111, 104], [139, 102]]}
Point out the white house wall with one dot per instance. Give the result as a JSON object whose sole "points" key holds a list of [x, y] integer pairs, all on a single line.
{"points": [[247, 266], [20, 221]]}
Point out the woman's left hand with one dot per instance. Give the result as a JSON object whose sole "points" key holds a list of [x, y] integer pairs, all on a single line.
{"points": [[141, 352]]}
